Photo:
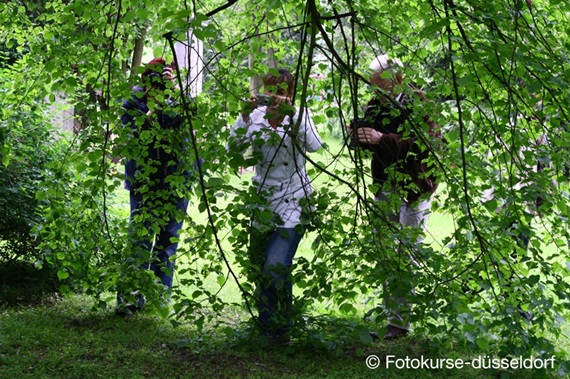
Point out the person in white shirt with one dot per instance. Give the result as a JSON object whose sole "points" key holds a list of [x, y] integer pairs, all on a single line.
{"points": [[280, 136]]}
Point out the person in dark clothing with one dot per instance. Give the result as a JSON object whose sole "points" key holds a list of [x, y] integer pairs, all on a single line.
{"points": [[154, 164], [399, 166]]}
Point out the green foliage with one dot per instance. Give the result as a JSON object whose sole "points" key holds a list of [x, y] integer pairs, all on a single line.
{"points": [[498, 84], [27, 147]]}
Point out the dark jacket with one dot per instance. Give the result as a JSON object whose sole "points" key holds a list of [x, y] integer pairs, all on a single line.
{"points": [[156, 153], [403, 153]]}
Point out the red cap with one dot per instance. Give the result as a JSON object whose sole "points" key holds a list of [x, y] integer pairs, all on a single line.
{"points": [[155, 65]]}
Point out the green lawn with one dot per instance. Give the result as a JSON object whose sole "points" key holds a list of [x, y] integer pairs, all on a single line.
{"points": [[63, 338]]}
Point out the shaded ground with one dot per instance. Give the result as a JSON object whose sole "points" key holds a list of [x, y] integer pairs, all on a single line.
{"points": [[45, 336], [23, 284]]}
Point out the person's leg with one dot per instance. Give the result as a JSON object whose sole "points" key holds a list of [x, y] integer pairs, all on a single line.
{"points": [[415, 215], [388, 204], [276, 294], [396, 302], [258, 241], [167, 243], [140, 247]]}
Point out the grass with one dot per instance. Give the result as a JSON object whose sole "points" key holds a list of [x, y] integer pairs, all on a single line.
{"points": [[63, 338]]}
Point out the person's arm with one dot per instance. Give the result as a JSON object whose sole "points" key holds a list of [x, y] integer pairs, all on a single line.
{"points": [[128, 118], [131, 112], [374, 140], [309, 138], [238, 140], [396, 143], [371, 138]]}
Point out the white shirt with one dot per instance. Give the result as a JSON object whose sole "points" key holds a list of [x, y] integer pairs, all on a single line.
{"points": [[280, 173]]}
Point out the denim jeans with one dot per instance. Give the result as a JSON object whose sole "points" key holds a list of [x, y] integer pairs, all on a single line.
{"points": [[273, 253], [160, 244]]}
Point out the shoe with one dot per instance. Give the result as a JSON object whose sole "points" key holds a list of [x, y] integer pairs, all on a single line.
{"points": [[393, 332], [127, 310], [275, 340]]}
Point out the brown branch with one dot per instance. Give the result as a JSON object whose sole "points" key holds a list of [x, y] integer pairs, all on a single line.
{"points": [[221, 8]]}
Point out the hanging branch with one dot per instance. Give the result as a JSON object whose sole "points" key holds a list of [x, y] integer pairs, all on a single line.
{"points": [[188, 115]]}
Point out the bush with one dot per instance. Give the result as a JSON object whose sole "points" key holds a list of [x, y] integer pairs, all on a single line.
{"points": [[21, 283], [26, 147]]}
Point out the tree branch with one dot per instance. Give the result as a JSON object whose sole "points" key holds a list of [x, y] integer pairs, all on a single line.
{"points": [[221, 8]]}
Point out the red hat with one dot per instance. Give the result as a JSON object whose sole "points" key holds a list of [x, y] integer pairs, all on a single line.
{"points": [[155, 65]]}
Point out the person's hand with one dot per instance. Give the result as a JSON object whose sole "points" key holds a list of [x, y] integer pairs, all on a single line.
{"points": [[277, 99], [285, 106], [369, 136], [280, 107], [168, 76], [150, 115], [247, 106]]}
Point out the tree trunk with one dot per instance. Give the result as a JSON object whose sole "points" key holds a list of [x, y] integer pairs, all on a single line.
{"points": [[138, 50]]}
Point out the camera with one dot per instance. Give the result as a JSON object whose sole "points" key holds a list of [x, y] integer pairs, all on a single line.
{"points": [[157, 79], [264, 100], [355, 124]]}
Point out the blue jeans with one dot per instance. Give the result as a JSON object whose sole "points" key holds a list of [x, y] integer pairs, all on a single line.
{"points": [[273, 253], [161, 243]]}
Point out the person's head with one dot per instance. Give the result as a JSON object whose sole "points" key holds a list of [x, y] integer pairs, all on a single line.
{"points": [[386, 72], [152, 75], [282, 85]]}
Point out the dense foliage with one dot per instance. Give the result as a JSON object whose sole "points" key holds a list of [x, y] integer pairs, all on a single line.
{"points": [[499, 84], [28, 147]]}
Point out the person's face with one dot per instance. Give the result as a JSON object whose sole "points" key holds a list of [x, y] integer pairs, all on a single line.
{"points": [[279, 89], [386, 80]]}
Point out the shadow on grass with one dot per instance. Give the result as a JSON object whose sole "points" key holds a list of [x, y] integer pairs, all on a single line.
{"points": [[23, 284]]}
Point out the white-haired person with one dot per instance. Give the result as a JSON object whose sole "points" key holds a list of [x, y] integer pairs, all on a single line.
{"points": [[399, 167]]}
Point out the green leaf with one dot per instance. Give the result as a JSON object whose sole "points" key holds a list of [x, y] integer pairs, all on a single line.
{"points": [[482, 343], [62, 274], [215, 182], [6, 156], [347, 308], [533, 279], [363, 334]]}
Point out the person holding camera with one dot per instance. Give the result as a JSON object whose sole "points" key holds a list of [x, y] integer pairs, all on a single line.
{"points": [[399, 166], [280, 136], [154, 160]]}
